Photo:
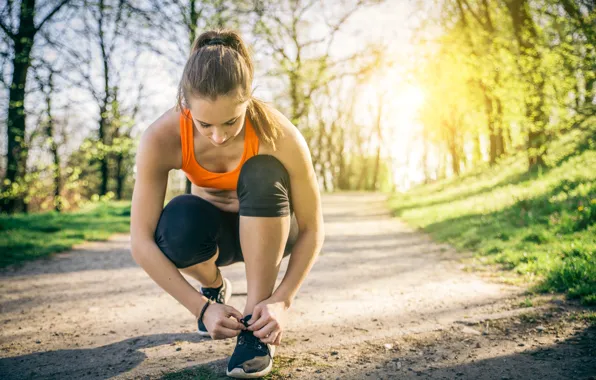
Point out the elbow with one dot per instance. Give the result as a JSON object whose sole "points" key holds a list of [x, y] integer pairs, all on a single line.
{"points": [[320, 234], [138, 249], [135, 252], [320, 237], [317, 235]]}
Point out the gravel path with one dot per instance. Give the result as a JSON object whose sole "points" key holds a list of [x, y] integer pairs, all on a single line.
{"points": [[382, 299]]}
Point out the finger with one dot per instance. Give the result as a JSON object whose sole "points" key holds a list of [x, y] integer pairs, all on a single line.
{"points": [[268, 329], [260, 323], [224, 332], [256, 314], [232, 312], [278, 339], [232, 324], [271, 338]]}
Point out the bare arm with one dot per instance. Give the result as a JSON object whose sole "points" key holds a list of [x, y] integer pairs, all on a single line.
{"points": [[293, 152], [268, 315], [153, 165]]}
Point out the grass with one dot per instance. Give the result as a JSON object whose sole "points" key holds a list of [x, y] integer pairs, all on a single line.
{"points": [[26, 237], [540, 225]]}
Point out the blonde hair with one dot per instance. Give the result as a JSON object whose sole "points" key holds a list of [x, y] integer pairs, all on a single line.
{"points": [[220, 63]]}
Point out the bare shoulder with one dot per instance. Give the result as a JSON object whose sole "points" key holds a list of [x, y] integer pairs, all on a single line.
{"points": [[291, 148], [160, 142], [291, 138]]}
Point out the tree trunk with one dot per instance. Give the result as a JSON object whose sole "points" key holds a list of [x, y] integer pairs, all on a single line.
{"points": [[342, 173], [477, 153], [16, 156], [374, 185], [103, 115], [120, 176], [192, 35], [452, 146], [117, 133], [501, 144], [442, 170], [330, 153], [57, 173], [492, 134], [425, 165], [454, 159], [363, 162], [526, 35]]}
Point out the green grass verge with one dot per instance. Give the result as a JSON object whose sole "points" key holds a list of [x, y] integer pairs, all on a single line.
{"points": [[541, 224], [31, 236]]}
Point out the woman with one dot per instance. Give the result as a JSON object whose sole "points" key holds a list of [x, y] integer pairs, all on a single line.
{"points": [[254, 198]]}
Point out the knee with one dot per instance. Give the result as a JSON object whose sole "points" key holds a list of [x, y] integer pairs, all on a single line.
{"points": [[264, 187], [187, 230]]}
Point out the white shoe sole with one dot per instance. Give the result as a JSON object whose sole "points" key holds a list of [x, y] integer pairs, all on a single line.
{"points": [[227, 297], [240, 374], [228, 294]]}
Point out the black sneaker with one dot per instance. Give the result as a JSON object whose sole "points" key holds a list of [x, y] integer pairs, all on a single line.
{"points": [[251, 358], [220, 295]]}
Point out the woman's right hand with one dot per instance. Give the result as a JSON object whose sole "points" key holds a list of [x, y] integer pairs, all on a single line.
{"points": [[225, 200], [222, 321]]}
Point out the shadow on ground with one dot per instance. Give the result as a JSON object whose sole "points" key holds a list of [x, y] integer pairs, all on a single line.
{"points": [[88, 363]]}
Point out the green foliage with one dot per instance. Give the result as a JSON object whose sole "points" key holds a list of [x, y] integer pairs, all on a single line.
{"points": [[30, 236], [361, 174], [516, 73], [540, 224]]}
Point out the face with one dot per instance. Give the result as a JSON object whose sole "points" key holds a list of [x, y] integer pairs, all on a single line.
{"points": [[220, 121]]}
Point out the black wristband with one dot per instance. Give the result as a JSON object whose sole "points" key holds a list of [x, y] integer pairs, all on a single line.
{"points": [[209, 302]]}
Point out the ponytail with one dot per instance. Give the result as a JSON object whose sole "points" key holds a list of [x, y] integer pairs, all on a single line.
{"points": [[266, 124]]}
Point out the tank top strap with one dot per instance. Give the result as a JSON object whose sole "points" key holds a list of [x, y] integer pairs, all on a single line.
{"points": [[253, 139], [186, 136]]}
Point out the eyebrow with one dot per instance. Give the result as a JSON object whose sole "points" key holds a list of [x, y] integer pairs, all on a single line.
{"points": [[234, 118]]}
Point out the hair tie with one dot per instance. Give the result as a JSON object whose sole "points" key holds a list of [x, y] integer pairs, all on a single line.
{"points": [[215, 41]]}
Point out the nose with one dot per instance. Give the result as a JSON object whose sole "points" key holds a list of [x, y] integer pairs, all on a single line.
{"points": [[218, 137]]}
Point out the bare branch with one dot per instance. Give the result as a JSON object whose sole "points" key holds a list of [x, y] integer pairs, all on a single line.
{"points": [[8, 32], [476, 17], [51, 14]]}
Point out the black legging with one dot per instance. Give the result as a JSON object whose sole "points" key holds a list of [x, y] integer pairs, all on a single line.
{"points": [[190, 228]]}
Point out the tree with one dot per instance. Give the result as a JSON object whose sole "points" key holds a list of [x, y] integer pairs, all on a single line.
{"points": [[306, 62], [484, 45], [530, 65], [22, 39], [48, 88]]}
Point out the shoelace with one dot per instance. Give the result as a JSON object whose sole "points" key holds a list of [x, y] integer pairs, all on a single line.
{"points": [[250, 340]]}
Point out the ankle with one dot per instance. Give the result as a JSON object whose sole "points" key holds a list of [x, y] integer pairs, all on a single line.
{"points": [[217, 283]]}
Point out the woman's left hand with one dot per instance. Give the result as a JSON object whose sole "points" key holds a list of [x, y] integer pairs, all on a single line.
{"points": [[268, 320]]}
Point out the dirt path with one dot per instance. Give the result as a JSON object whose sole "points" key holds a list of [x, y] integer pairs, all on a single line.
{"points": [[381, 300]]}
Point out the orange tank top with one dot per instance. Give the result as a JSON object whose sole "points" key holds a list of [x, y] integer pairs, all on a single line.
{"points": [[201, 176]]}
